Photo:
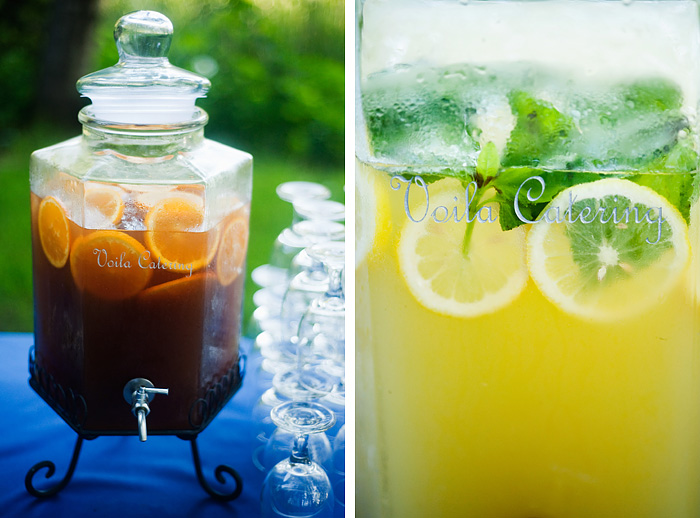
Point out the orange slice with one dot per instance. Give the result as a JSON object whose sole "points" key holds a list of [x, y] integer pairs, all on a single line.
{"points": [[195, 188], [106, 202], [54, 232], [174, 233], [191, 288], [146, 200], [110, 264], [232, 250]]}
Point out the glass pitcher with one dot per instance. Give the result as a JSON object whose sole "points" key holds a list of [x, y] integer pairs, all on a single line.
{"points": [[139, 234], [526, 248]]}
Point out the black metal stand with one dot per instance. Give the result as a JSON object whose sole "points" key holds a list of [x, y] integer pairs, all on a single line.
{"points": [[56, 488], [218, 473], [51, 469], [72, 409]]}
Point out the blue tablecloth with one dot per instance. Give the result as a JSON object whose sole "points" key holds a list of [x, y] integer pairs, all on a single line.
{"points": [[120, 476]]}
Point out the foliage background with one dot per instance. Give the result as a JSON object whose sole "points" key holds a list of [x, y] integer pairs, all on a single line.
{"points": [[277, 70]]}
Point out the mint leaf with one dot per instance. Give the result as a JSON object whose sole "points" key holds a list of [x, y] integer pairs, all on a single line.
{"points": [[488, 163], [676, 188], [681, 159], [412, 125], [518, 189], [670, 176], [629, 127], [540, 131], [432, 176], [653, 95]]}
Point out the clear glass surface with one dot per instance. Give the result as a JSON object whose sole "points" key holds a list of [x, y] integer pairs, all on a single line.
{"points": [[267, 275], [313, 232], [321, 333], [338, 477], [279, 354], [297, 486], [297, 190], [308, 203], [314, 227], [297, 490], [280, 443], [328, 210], [139, 229], [143, 87], [303, 289], [270, 297]]}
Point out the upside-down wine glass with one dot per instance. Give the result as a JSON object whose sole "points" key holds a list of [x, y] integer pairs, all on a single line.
{"points": [[321, 331], [297, 486], [321, 336], [304, 233], [289, 242], [293, 192], [309, 283], [338, 475]]}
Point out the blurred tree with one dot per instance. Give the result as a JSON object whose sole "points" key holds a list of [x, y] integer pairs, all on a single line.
{"points": [[277, 66], [42, 51], [22, 26], [65, 58], [277, 69]]}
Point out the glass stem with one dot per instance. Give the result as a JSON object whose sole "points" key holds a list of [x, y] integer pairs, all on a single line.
{"points": [[301, 343], [300, 450], [335, 282], [316, 273], [296, 217]]}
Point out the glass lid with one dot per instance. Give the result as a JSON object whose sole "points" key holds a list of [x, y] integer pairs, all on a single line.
{"points": [[143, 87]]}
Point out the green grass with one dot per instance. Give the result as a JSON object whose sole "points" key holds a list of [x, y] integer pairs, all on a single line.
{"points": [[15, 247], [269, 215]]}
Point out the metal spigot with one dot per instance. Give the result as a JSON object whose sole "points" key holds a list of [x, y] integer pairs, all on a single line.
{"points": [[138, 393]]}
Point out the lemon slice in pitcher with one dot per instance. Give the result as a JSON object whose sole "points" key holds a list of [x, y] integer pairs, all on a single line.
{"points": [[441, 275], [607, 249], [693, 284], [372, 218]]}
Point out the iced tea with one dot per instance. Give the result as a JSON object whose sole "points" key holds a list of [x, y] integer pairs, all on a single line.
{"points": [[153, 295]]}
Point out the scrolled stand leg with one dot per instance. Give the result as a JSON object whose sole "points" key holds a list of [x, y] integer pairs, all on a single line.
{"points": [[218, 473], [50, 470]]}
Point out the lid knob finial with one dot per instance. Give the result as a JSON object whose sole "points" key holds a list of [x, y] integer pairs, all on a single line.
{"points": [[143, 34]]}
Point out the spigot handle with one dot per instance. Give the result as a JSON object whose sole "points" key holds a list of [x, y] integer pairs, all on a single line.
{"points": [[151, 391], [138, 393]]}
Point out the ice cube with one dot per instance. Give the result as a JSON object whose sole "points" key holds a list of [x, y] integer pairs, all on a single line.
{"points": [[132, 219]]}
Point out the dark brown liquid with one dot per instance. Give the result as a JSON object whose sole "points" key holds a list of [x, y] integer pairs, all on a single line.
{"points": [[180, 332]]}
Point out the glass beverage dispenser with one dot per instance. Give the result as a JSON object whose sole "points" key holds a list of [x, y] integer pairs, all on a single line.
{"points": [[528, 259], [139, 235]]}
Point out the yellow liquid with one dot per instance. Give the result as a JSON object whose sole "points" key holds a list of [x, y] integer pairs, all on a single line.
{"points": [[526, 412]]}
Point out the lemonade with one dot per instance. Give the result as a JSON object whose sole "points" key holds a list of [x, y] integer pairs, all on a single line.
{"points": [[527, 232]]}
